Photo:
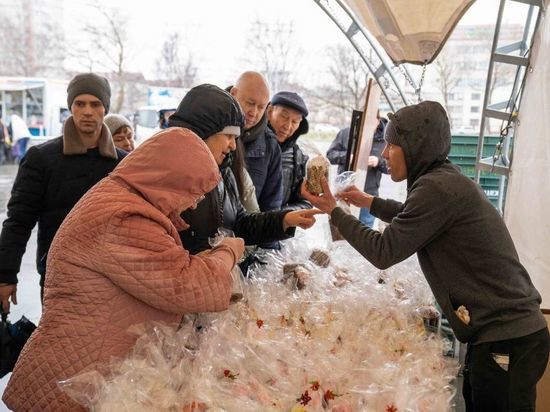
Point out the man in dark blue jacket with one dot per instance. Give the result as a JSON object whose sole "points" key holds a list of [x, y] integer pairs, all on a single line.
{"points": [[53, 176], [262, 152], [337, 152]]}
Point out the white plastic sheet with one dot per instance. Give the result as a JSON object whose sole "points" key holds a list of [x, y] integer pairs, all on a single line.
{"points": [[528, 195]]}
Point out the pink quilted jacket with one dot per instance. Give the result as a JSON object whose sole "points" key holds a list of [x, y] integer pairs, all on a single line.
{"points": [[117, 260]]}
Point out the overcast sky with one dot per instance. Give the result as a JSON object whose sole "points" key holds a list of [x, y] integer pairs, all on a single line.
{"points": [[216, 30]]}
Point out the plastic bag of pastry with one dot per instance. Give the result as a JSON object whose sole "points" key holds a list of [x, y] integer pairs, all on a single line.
{"points": [[296, 274], [320, 258], [463, 314], [317, 168], [237, 293]]}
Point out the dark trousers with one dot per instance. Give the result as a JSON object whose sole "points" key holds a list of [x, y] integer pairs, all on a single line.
{"points": [[489, 387]]}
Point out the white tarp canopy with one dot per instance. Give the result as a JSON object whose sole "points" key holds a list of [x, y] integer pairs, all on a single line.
{"points": [[410, 31], [528, 195]]}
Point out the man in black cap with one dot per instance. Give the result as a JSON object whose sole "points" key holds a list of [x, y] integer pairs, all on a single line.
{"points": [[466, 254], [53, 176], [287, 115]]}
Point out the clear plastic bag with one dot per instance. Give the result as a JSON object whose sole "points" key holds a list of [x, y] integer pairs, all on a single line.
{"points": [[317, 167], [237, 293], [342, 182]]}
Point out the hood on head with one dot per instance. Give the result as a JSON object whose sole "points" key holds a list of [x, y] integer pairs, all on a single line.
{"points": [[207, 110], [171, 170], [424, 134]]}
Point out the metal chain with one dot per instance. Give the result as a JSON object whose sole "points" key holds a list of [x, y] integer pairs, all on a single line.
{"points": [[417, 90]]}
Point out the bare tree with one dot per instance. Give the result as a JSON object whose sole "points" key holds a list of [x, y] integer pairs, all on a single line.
{"points": [[28, 50], [347, 85], [172, 68], [448, 76], [273, 50], [106, 50]]}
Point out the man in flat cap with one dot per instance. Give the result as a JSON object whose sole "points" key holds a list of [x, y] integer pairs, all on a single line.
{"points": [[53, 176], [287, 118]]}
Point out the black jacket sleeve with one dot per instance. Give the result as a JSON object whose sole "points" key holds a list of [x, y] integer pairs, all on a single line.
{"points": [[296, 201], [338, 149], [262, 228], [24, 208], [256, 228]]}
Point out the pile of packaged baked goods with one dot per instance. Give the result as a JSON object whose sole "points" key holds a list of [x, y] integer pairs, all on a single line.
{"points": [[317, 330]]}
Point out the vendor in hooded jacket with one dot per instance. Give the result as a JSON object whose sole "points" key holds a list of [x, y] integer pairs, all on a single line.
{"points": [[465, 252]]}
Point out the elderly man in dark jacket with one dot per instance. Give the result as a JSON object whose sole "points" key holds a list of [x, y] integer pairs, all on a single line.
{"points": [[262, 152], [203, 110], [287, 115], [466, 255], [337, 153], [53, 176]]}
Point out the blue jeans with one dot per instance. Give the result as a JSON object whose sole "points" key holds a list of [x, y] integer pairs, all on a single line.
{"points": [[365, 217], [2, 152], [20, 148]]}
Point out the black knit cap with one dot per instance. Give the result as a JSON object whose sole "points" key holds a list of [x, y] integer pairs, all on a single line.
{"points": [[90, 83], [207, 110], [293, 101]]}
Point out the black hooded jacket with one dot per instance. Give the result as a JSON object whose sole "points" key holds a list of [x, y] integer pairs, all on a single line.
{"points": [[464, 248], [222, 208]]}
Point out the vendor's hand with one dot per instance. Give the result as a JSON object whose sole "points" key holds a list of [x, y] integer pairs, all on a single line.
{"points": [[373, 161], [356, 197], [8, 291], [236, 244], [303, 218], [325, 202]]}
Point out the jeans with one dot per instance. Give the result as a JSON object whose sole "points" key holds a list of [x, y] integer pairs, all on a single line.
{"points": [[365, 217], [2, 152], [503, 375]]}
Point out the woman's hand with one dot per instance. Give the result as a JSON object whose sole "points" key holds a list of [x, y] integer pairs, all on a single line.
{"points": [[325, 202], [236, 244], [356, 197], [303, 218]]}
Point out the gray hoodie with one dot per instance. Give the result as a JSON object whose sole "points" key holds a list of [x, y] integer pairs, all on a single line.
{"points": [[463, 246]]}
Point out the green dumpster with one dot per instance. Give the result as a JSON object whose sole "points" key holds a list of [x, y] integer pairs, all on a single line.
{"points": [[463, 154]]}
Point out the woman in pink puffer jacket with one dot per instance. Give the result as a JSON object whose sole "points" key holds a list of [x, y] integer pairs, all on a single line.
{"points": [[117, 260]]}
